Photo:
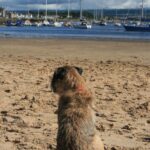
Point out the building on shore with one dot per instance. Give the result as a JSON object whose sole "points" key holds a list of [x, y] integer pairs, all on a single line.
{"points": [[2, 12]]}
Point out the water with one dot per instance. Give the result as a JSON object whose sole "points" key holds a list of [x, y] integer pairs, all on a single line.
{"points": [[108, 32]]}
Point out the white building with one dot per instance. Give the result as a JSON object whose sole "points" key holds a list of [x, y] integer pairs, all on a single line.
{"points": [[2, 12]]}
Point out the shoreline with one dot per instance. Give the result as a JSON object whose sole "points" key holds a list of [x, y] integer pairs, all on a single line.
{"points": [[59, 37], [78, 39]]}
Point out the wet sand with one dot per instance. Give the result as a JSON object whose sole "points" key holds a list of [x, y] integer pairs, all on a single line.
{"points": [[83, 49], [117, 72]]}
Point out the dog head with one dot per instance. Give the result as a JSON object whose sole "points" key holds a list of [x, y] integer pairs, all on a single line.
{"points": [[66, 78]]}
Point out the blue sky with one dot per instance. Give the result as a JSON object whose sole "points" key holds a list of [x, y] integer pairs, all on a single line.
{"points": [[62, 4]]}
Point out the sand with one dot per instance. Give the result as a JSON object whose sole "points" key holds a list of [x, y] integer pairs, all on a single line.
{"points": [[118, 72]]}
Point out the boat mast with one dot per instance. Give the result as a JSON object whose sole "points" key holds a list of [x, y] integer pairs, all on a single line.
{"points": [[142, 14], [81, 14], [56, 12], [68, 9], [102, 13], [28, 10], [116, 14], [46, 11], [96, 14], [38, 16]]}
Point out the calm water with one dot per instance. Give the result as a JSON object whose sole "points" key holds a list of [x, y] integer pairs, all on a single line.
{"points": [[110, 32]]}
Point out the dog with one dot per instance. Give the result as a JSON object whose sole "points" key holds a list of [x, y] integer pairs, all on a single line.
{"points": [[76, 119]]}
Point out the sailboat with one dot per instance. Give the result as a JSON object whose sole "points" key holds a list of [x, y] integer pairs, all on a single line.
{"points": [[38, 23], [102, 22], [46, 22], [56, 23], [18, 23], [83, 23], [140, 27], [28, 22], [95, 20], [117, 23], [68, 23]]}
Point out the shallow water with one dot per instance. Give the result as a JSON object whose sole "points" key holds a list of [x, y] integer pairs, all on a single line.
{"points": [[110, 32]]}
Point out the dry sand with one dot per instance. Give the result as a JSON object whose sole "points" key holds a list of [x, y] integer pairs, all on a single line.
{"points": [[117, 72]]}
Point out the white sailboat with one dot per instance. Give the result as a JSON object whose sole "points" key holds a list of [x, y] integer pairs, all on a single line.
{"points": [[68, 23], [28, 22], [117, 23], [46, 22], [38, 23], [56, 23], [83, 23], [102, 22], [95, 18]]}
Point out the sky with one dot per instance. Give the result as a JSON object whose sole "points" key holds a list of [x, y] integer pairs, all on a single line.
{"points": [[63, 4]]}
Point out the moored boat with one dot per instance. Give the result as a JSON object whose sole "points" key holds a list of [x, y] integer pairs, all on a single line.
{"points": [[58, 24], [46, 23], [9, 23], [38, 24], [117, 24], [67, 24], [17, 23], [140, 28], [103, 23], [27, 23], [82, 25]]}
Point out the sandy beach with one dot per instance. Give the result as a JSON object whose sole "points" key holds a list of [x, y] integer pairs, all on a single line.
{"points": [[118, 72]]}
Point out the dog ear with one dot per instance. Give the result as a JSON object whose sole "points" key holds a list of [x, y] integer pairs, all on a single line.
{"points": [[80, 70], [60, 73]]}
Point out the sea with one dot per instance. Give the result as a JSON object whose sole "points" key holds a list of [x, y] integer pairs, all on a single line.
{"points": [[97, 32]]}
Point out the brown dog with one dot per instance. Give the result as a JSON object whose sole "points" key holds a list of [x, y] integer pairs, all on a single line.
{"points": [[76, 123]]}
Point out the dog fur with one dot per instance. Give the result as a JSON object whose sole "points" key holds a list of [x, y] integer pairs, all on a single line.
{"points": [[76, 119]]}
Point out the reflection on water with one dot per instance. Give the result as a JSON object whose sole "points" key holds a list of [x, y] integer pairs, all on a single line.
{"points": [[109, 31]]}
